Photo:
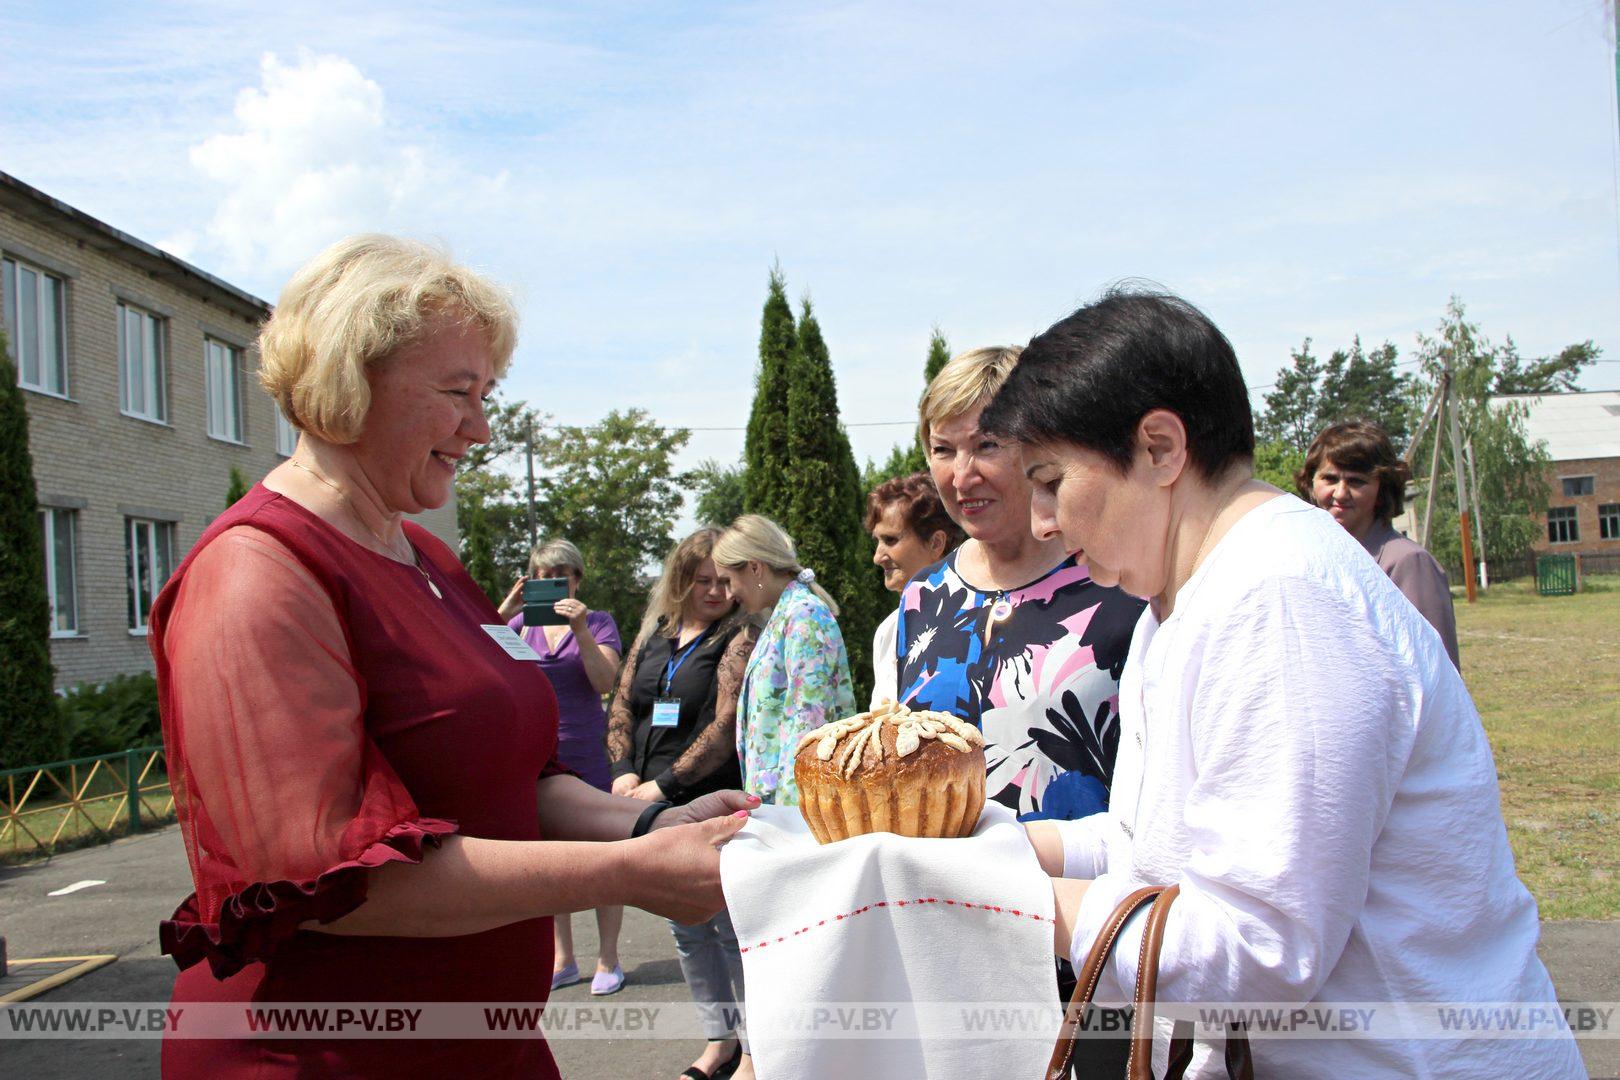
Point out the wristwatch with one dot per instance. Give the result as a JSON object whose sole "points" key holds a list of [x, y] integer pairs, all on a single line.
{"points": [[644, 822]]}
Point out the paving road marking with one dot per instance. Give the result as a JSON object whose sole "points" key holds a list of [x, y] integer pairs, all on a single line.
{"points": [[75, 887]]}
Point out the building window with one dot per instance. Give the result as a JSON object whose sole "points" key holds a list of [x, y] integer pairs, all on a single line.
{"points": [[1609, 521], [35, 315], [151, 558], [286, 436], [60, 528], [1561, 525], [224, 376], [141, 375], [1576, 486]]}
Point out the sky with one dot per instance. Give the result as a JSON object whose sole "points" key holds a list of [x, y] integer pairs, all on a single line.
{"points": [[632, 172]]}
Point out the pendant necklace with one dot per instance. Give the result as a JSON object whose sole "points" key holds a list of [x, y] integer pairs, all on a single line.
{"points": [[416, 556]]}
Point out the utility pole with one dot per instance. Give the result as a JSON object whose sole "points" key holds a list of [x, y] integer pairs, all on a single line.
{"points": [[1479, 514], [1430, 415], [1462, 488], [528, 454]]}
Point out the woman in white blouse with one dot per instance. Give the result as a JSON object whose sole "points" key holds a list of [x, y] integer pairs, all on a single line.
{"points": [[1336, 840]]}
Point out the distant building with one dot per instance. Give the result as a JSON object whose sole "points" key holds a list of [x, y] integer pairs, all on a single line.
{"points": [[1582, 433], [139, 372]]}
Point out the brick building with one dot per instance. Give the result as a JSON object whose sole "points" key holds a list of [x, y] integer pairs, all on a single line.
{"points": [[1582, 433], [139, 374]]}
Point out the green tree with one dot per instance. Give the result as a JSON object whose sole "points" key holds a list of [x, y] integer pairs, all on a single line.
{"points": [[1548, 375], [939, 354], [765, 448], [612, 489], [825, 498], [719, 490], [1277, 463], [30, 727], [237, 488], [492, 513], [1290, 415], [1360, 385], [1511, 471]]}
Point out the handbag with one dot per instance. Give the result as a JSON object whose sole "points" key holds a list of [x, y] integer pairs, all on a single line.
{"points": [[1139, 1066]]}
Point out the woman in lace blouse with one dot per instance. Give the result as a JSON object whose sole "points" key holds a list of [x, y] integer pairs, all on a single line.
{"points": [[671, 737], [798, 677]]}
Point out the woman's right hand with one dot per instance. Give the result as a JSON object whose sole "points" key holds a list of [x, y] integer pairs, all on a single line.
{"points": [[624, 785], [678, 874], [514, 599]]}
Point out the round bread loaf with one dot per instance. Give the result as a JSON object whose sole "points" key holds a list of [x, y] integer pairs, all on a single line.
{"points": [[891, 770]]}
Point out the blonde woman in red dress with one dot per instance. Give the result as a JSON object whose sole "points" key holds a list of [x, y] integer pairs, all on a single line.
{"points": [[365, 777]]}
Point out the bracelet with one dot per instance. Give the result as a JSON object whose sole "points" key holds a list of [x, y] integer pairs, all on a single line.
{"points": [[644, 822]]}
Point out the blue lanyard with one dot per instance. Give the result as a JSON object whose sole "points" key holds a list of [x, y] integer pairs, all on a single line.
{"points": [[678, 658]]}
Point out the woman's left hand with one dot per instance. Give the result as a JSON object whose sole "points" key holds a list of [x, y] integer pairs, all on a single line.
{"points": [[713, 805], [574, 611]]}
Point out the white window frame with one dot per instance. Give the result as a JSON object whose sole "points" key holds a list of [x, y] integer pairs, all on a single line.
{"points": [[53, 521], [1609, 521], [222, 369], [17, 321], [286, 436], [1568, 522], [1590, 483], [143, 390], [152, 542]]}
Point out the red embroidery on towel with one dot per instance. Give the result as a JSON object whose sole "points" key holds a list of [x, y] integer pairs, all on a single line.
{"points": [[900, 904]]}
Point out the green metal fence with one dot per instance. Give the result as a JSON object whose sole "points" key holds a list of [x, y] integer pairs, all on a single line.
{"points": [[65, 804], [1555, 575]]}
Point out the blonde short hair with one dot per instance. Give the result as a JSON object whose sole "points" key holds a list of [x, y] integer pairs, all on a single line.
{"points": [[969, 380], [356, 303], [549, 553], [752, 538]]}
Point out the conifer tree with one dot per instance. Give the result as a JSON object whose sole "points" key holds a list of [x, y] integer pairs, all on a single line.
{"points": [[237, 487], [939, 354], [765, 448], [826, 500], [30, 726]]}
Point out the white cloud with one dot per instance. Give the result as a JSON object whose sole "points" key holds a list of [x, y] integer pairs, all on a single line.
{"points": [[313, 157]]}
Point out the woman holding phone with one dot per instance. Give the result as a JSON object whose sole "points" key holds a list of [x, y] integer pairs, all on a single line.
{"points": [[579, 652]]}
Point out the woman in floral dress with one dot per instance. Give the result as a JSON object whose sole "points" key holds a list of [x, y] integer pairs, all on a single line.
{"points": [[798, 676]]}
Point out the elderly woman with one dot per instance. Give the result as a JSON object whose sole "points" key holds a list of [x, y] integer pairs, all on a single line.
{"points": [[798, 676], [363, 755], [1009, 632], [1353, 472], [911, 529], [580, 656], [1330, 845]]}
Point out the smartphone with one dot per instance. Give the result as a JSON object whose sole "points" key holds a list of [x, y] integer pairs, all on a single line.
{"points": [[540, 596]]}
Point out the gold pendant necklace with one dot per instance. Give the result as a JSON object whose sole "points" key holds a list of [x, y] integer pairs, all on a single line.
{"points": [[416, 556]]}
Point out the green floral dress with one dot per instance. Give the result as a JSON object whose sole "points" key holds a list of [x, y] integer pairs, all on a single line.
{"points": [[796, 681]]}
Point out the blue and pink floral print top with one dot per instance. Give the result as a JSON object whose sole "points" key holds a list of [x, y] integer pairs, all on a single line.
{"points": [[1035, 668], [797, 680]]}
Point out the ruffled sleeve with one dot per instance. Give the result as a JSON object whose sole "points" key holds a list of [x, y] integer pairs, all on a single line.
{"points": [[283, 798]]}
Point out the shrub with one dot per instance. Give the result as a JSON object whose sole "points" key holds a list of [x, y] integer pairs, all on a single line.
{"points": [[117, 715]]}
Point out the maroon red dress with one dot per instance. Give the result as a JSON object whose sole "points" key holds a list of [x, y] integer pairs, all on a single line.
{"points": [[324, 712]]}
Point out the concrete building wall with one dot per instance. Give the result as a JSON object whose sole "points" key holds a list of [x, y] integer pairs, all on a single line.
{"points": [[106, 467]]}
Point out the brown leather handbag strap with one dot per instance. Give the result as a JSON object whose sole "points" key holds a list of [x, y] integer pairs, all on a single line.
{"points": [[1239, 1062], [1139, 1066], [1090, 973]]}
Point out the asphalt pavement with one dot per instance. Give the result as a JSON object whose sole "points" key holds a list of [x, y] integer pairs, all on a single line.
{"points": [[144, 877]]}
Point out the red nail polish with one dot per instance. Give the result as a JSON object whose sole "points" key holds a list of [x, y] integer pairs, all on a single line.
{"points": [[741, 814]]}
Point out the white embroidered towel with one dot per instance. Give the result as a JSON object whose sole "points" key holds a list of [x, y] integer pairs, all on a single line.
{"points": [[884, 955]]}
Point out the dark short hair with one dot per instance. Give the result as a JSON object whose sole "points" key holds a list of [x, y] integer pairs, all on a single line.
{"points": [[1090, 378], [1364, 447], [920, 507]]}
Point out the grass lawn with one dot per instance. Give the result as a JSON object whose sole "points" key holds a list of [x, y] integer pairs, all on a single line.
{"points": [[1545, 674]]}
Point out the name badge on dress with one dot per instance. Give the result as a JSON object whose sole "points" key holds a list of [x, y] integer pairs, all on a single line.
{"points": [[507, 639], [667, 712]]}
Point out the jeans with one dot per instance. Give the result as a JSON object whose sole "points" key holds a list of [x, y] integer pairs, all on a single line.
{"points": [[712, 965]]}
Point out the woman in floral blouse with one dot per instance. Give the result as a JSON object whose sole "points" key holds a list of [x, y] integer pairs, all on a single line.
{"points": [[798, 676]]}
